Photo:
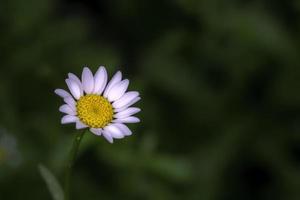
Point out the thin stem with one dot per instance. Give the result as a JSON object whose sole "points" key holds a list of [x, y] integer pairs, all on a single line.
{"points": [[70, 163]]}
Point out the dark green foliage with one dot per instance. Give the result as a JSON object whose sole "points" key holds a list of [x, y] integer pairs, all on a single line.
{"points": [[220, 88]]}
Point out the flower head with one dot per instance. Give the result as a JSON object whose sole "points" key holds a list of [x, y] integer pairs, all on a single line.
{"points": [[100, 106]]}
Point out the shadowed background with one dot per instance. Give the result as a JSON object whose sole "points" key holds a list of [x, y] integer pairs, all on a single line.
{"points": [[219, 82]]}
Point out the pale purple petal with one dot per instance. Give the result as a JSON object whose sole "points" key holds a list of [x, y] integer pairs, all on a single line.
{"points": [[100, 79], [77, 80], [124, 129], [67, 119], [128, 112], [67, 109], [87, 80], [96, 131], [114, 80], [108, 136], [80, 125], [62, 93], [133, 101], [114, 131], [125, 99], [74, 88], [127, 120], [117, 90], [71, 102]]}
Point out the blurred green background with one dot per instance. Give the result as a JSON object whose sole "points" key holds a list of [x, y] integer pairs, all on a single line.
{"points": [[219, 82]]}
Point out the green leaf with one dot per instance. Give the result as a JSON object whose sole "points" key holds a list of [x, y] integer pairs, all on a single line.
{"points": [[52, 183]]}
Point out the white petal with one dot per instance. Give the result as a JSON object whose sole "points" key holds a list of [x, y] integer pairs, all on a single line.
{"points": [[114, 131], [114, 80], [100, 79], [125, 130], [128, 112], [67, 119], [125, 99], [67, 109], [96, 131], [117, 90], [62, 93], [127, 120], [74, 88], [87, 80], [71, 102], [77, 80], [80, 125], [108, 136], [133, 101]]}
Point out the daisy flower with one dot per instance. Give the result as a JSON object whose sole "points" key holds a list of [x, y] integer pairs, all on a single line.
{"points": [[103, 107]]}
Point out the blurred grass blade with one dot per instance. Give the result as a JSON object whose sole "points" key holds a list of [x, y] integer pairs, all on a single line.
{"points": [[52, 183]]}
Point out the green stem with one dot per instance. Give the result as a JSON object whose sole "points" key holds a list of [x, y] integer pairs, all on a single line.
{"points": [[70, 164]]}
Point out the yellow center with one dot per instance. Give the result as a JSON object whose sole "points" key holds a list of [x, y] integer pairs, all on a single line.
{"points": [[94, 110]]}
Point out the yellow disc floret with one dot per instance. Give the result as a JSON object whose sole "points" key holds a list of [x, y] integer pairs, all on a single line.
{"points": [[94, 110]]}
